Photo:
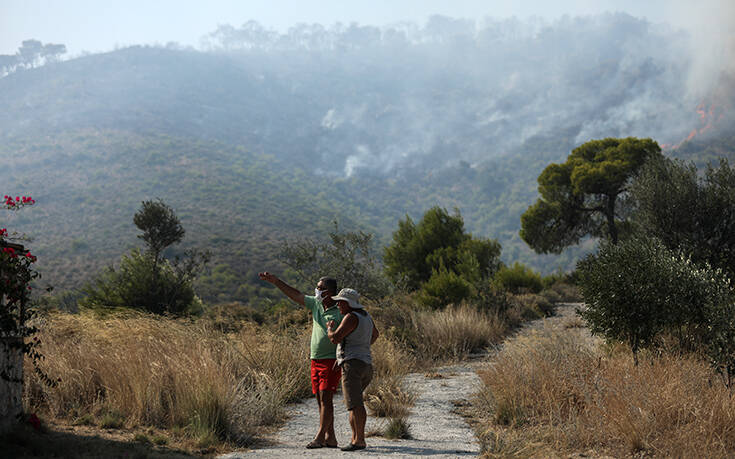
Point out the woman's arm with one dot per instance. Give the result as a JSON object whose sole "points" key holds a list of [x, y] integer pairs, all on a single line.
{"points": [[376, 333], [348, 325]]}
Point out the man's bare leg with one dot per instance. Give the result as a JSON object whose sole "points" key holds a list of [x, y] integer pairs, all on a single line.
{"points": [[326, 433]]}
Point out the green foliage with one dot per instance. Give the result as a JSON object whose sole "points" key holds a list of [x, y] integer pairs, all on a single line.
{"points": [[133, 285], [348, 257], [145, 280], [625, 288], [581, 197], [720, 343], [160, 226], [693, 213], [444, 287], [639, 288], [517, 278], [417, 249], [438, 242]]}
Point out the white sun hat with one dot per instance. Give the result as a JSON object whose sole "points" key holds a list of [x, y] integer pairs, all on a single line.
{"points": [[351, 296]]}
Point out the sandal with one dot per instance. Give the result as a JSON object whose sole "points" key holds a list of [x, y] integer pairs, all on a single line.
{"points": [[327, 445], [352, 447], [314, 445]]}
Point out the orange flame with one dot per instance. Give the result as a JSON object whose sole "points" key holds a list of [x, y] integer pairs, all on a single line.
{"points": [[707, 117]]}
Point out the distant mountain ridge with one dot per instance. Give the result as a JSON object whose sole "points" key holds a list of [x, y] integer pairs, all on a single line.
{"points": [[252, 147]]}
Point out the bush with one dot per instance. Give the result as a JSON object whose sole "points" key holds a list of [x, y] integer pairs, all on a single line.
{"points": [[439, 239], [555, 278], [518, 279], [639, 288], [133, 285], [567, 292], [443, 288], [720, 330], [689, 211]]}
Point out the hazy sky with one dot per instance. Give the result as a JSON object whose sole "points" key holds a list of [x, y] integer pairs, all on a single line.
{"points": [[100, 25]]}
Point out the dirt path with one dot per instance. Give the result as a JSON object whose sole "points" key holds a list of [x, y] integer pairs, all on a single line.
{"points": [[436, 429]]}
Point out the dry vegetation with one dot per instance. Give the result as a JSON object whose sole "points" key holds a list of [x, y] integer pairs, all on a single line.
{"points": [[205, 383], [455, 332], [556, 392], [211, 383], [186, 377]]}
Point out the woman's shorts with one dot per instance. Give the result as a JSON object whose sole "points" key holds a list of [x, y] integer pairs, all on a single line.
{"points": [[356, 376]]}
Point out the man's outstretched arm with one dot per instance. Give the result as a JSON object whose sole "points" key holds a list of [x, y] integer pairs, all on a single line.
{"points": [[287, 290]]}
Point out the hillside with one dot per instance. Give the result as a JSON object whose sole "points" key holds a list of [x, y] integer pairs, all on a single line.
{"points": [[254, 142]]}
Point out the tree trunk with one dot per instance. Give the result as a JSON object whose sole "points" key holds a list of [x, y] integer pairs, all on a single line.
{"points": [[11, 381]]}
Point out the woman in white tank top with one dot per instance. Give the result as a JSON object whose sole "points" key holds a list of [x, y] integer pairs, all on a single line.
{"points": [[353, 338]]}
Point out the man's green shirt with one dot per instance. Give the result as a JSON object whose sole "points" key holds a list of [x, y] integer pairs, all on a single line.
{"points": [[321, 347]]}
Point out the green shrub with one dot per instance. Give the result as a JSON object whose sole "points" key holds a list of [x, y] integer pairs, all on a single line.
{"points": [[639, 288], [439, 239], [134, 285], [518, 279], [687, 210], [159, 440], [721, 340], [443, 288]]}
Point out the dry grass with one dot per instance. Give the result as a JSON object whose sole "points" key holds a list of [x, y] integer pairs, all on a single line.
{"points": [[386, 396], [555, 391], [140, 370], [422, 339], [455, 332]]}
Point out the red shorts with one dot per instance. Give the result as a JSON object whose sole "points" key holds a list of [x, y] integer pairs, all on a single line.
{"points": [[325, 374]]}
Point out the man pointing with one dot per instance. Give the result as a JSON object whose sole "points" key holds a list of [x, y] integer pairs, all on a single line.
{"points": [[325, 374]]}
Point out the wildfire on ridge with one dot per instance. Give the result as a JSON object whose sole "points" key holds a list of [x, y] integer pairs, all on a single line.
{"points": [[708, 116]]}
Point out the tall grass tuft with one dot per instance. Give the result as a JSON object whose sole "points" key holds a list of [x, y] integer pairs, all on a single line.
{"points": [[386, 396], [169, 373], [556, 388], [456, 331], [398, 428]]}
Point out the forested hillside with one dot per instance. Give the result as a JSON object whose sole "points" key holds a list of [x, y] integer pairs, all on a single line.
{"points": [[266, 137]]}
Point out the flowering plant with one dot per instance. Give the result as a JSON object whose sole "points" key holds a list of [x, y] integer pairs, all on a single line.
{"points": [[16, 275]]}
